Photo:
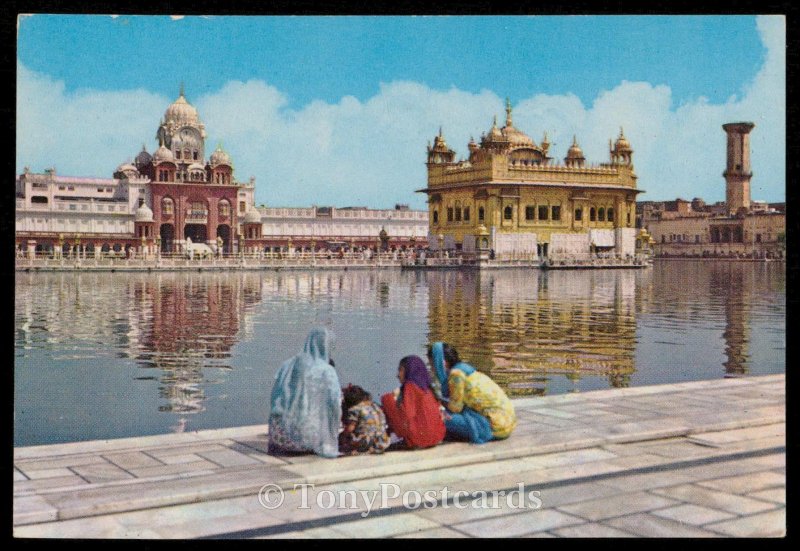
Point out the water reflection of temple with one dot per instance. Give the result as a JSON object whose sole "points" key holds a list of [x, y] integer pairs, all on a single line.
{"points": [[187, 323], [527, 327]]}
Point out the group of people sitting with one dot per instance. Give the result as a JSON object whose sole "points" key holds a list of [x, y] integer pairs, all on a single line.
{"points": [[311, 412]]}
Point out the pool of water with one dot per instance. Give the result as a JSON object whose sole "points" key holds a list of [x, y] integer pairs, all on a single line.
{"points": [[109, 355]]}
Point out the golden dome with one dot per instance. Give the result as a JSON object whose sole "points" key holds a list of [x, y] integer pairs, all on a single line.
{"points": [[622, 143], [575, 151]]}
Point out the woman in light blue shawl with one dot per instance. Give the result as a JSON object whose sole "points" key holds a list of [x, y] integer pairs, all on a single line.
{"points": [[306, 404]]}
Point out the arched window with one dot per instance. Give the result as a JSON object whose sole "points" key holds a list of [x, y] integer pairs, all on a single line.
{"points": [[508, 213], [194, 155], [592, 214], [178, 154], [458, 211], [610, 215], [186, 154], [601, 214], [481, 214], [224, 208], [436, 217], [578, 215], [167, 206], [466, 214]]}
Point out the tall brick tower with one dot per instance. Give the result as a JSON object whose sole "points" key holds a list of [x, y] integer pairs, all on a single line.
{"points": [[737, 172]]}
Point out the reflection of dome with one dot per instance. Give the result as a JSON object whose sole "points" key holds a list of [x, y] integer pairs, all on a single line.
{"points": [[219, 157], [143, 158], [163, 155], [143, 214], [252, 216], [181, 112]]}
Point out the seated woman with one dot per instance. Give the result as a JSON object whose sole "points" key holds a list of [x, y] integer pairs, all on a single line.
{"points": [[364, 423], [480, 410], [412, 410], [306, 404]]}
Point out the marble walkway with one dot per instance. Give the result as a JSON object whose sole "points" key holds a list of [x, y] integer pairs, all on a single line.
{"points": [[680, 460]]}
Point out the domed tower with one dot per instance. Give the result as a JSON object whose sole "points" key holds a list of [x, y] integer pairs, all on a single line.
{"points": [[251, 225], [144, 225], [182, 132], [164, 165], [622, 153], [219, 167], [575, 158], [440, 153]]}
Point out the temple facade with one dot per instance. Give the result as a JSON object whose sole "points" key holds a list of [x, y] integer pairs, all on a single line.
{"points": [[511, 196], [175, 196]]}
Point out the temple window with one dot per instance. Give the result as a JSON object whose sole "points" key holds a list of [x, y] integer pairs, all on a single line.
{"points": [[194, 155], [481, 214], [242, 206], [610, 215], [436, 217], [458, 214], [543, 212], [166, 205], [508, 213], [555, 212], [466, 214], [601, 214], [178, 154], [530, 212], [578, 215], [592, 214], [449, 214]]}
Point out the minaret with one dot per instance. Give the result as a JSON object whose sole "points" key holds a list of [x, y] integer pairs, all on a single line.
{"points": [[737, 171]]}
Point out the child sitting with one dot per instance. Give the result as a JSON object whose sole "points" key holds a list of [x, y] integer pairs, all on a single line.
{"points": [[364, 423]]}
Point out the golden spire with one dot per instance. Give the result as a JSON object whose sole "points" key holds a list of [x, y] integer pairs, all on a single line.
{"points": [[575, 140], [508, 112], [182, 94]]}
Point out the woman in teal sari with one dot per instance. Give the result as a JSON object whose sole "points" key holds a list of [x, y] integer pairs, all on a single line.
{"points": [[306, 404]]}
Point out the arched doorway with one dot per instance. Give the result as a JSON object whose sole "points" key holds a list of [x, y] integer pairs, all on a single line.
{"points": [[196, 232], [167, 233], [224, 231]]}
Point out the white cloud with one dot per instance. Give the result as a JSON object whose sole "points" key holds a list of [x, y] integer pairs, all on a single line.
{"points": [[373, 152]]}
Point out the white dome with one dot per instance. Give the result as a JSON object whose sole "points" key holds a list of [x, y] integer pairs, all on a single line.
{"points": [[143, 214], [163, 154], [219, 157], [196, 166], [253, 216], [181, 111], [126, 167], [126, 170]]}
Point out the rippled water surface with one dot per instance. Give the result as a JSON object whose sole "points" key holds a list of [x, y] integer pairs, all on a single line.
{"points": [[111, 354]]}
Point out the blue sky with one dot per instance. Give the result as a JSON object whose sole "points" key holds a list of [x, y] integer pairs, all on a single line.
{"points": [[338, 110]]}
